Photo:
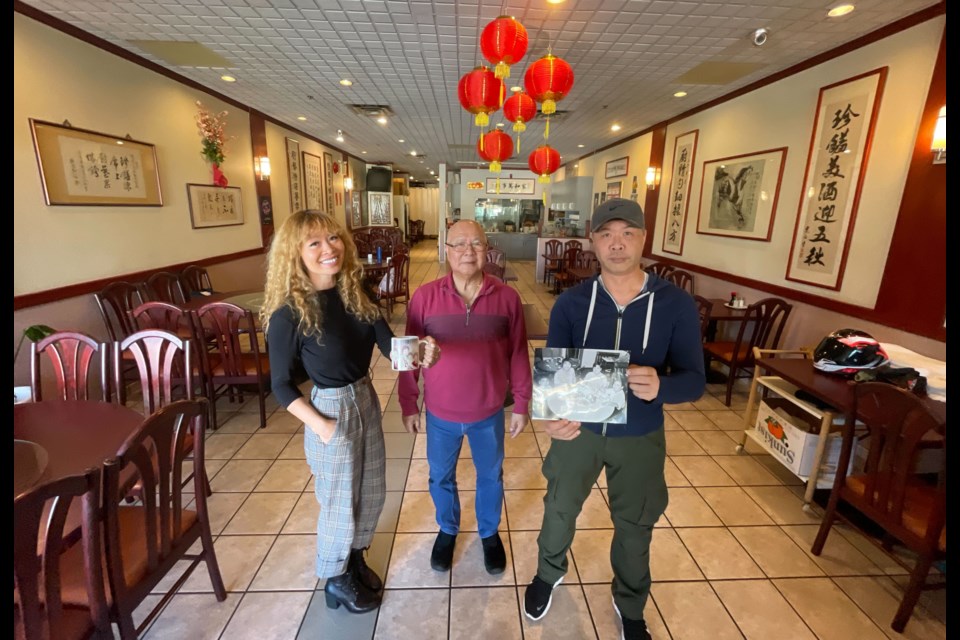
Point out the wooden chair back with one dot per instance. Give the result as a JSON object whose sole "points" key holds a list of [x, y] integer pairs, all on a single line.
{"points": [[681, 278], [659, 268], [42, 569], [395, 286], [496, 263], [162, 361], [165, 286], [144, 541], [70, 354], [195, 279], [888, 491], [115, 301], [704, 307]]}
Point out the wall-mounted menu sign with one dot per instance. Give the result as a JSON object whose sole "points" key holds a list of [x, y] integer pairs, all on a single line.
{"points": [[513, 186], [473, 186]]}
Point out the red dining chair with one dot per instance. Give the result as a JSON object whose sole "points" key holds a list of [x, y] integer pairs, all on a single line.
{"points": [[70, 354], [195, 279], [115, 301], [496, 264], [395, 286], [42, 579], [165, 286], [681, 278], [552, 259], [659, 268]]}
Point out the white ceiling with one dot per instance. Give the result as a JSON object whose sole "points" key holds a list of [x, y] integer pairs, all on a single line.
{"points": [[289, 55]]}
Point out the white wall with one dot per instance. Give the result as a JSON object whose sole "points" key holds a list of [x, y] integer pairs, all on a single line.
{"points": [[638, 152], [57, 78]]}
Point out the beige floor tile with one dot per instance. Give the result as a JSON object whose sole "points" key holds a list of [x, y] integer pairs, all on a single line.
{"points": [[262, 513], [726, 420], [239, 423], [776, 552], [523, 446], [827, 610], [414, 613], [221, 507], [687, 508], [418, 476], [398, 445], [605, 617], [283, 422], [397, 474], [263, 446], [289, 566], [393, 422], [294, 448], [467, 475], [595, 513], [734, 506], [669, 558], [681, 406], [417, 514], [239, 476], [420, 446], [268, 616], [195, 616], [239, 558], [714, 442], [602, 479], [782, 505], [491, 612], [525, 550], [662, 522], [880, 597], [223, 445], [745, 470], [468, 569], [525, 508], [591, 548], [303, 518], [286, 475], [543, 442], [673, 476], [709, 403], [718, 554], [390, 515], [760, 611], [384, 385], [702, 471], [568, 618], [772, 465], [410, 563], [679, 443], [670, 423], [876, 555], [693, 421], [468, 512], [692, 611], [523, 473], [838, 558]]}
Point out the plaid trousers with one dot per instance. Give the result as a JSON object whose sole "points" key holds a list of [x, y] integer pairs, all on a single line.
{"points": [[350, 473]]}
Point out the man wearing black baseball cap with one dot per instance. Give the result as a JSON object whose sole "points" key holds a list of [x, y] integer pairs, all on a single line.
{"points": [[625, 309]]}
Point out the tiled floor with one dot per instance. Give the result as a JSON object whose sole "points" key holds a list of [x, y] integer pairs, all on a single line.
{"points": [[730, 558]]}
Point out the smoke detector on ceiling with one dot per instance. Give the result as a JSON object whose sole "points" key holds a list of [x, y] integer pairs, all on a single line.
{"points": [[760, 37]]}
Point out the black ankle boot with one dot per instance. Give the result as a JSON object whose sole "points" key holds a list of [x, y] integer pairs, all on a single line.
{"points": [[346, 590], [363, 573]]}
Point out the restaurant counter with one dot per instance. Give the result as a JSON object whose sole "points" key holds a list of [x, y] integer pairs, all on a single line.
{"points": [[516, 246]]}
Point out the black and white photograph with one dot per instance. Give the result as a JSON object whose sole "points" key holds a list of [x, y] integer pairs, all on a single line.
{"points": [[587, 385]]}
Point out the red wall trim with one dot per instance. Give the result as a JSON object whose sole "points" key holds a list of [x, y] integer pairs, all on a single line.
{"points": [[73, 290]]}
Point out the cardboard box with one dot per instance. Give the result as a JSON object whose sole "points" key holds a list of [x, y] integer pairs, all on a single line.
{"points": [[791, 435]]}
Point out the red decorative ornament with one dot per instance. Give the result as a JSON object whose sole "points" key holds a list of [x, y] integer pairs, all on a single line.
{"points": [[548, 81], [520, 109], [218, 178], [503, 42], [495, 147], [479, 92], [543, 161], [336, 167]]}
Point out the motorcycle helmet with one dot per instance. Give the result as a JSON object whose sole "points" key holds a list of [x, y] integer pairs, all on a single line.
{"points": [[847, 351]]}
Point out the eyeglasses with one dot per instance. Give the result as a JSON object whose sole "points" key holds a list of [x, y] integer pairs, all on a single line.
{"points": [[461, 247]]}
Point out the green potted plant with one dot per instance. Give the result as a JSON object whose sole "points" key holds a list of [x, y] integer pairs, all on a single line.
{"points": [[35, 333]]}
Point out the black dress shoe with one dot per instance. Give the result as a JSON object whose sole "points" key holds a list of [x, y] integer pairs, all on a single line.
{"points": [[363, 573], [346, 590], [494, 555], [442, 556]]}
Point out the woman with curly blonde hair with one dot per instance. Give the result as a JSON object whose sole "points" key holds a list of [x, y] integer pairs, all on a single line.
{"points": [[319, 319]]}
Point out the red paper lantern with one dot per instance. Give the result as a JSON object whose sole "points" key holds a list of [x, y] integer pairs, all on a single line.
{"points": [[479, 93], [543, 161], [519, 109], [495, 147], [503, 42], [548, 81]]}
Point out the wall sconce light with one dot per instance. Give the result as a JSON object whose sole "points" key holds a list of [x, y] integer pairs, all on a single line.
{"points": [[939, 144], [348, 184], [261, 167], [653, 178]]}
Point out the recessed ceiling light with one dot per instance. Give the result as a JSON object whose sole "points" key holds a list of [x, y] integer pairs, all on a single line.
{"points": [[364, 152], [301, 118], [840, 10], [382, 120], [575, 166], [680, 94], [413, 153], [339, 135], [579, 146], [499, 125], [401, 140], [431, 173], [615, 127], [346, 82], [228, 78], [555, 1], [516, 89]]}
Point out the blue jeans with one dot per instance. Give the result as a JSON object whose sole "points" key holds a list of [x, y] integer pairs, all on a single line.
{"points": [[444, 440]]}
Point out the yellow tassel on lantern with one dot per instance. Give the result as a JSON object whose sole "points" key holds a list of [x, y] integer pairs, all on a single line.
{"points": [[546, 130], [502, 70], [549, 106], [518, 145], [481, 120], [519, 126], [503, 90], [544, 179], [495, 168]]}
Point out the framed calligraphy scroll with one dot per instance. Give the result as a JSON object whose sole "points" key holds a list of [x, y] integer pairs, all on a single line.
{"points": [[81, 167], [738, 197], [616, 168], [312, 182], [613, 189], [328, 181], [212, 206], [295, 172], [839, 149], [678, 196]]}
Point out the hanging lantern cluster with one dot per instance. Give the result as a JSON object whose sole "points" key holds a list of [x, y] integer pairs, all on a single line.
{"points": [[479, 92]]}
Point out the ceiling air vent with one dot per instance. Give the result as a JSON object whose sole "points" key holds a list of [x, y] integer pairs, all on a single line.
{"points": [[558, 116], [372, 110]]}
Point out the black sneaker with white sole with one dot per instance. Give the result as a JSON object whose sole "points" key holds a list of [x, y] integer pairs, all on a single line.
{"points": [[632, 629], [537, 597]]}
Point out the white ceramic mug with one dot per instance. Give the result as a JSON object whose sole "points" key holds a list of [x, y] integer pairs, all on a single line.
{"points": [[405, 353]]}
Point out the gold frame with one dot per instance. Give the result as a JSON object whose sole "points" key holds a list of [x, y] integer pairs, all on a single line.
{"points": [[62, 150], [209, 207]]}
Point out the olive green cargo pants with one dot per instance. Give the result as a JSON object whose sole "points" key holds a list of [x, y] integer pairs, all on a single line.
{"points": [[637, 492]]}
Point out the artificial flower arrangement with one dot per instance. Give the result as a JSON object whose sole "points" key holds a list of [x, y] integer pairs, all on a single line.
{"points": [[211, 128]]}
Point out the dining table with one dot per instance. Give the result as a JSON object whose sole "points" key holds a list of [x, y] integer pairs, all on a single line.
{"points": [[66, 437], [251, 299]]}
